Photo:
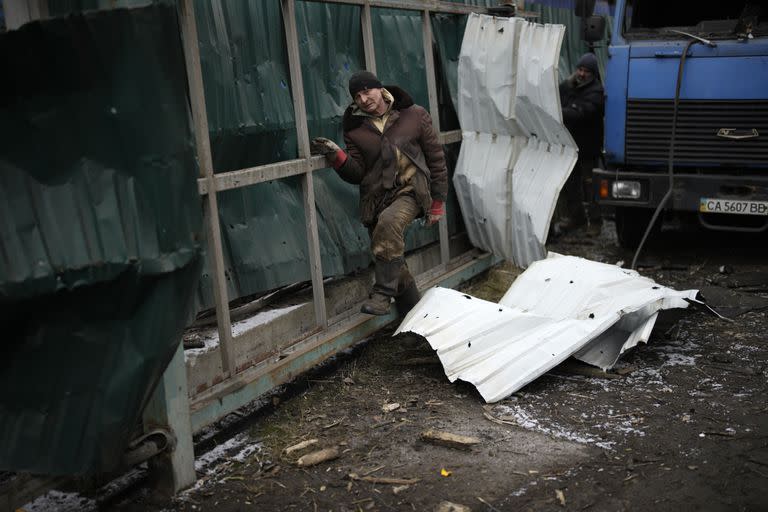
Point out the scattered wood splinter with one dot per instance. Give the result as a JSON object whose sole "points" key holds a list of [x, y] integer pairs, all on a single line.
{"points": [[383, 479], [449, 440]]}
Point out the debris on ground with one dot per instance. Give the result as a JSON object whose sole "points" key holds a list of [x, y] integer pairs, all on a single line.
{"points": [[559, 307], [300, 446], [683, 428], [449, 440], [318, 457], [447, 506]]}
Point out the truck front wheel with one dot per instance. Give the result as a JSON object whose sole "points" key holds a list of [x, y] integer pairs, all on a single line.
{"points": [[631, 224]]}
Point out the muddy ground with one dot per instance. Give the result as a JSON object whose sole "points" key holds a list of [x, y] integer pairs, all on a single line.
{"points": [[679, 424]]}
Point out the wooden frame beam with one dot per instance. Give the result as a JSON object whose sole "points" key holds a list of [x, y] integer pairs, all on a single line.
{"points": [[434, 112], [368, 47], [414, 5], [307, 183], [210, 205]]}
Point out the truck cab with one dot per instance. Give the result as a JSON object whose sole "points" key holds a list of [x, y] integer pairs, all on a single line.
{"points": [[686, 115]]}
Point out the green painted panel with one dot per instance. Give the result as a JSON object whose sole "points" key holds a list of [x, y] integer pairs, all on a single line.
{"points": [[573, 47], [99, 231], [251, 122]]}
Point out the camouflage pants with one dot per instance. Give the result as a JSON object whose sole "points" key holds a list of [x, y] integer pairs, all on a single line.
{"points": [[388, 235]]}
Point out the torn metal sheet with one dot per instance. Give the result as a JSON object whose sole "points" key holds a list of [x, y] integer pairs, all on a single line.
{"points": [[485, 191], [538, 176], [513, 136], [561, 306]]}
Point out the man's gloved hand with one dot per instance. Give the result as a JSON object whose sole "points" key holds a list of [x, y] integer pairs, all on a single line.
{"points": [[333, 154], [436, 211]]}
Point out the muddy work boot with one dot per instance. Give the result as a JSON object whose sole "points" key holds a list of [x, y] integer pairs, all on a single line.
{"points": [[387, 276], [407, 292]]}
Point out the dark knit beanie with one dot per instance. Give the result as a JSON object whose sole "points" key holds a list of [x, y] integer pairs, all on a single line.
{"points": [[589, 61], [361, 81]]}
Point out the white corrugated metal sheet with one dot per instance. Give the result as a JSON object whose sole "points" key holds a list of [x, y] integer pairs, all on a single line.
{"points": [[509, 109], [538, 176], [559, 307], [488, 75], [485, 192]]}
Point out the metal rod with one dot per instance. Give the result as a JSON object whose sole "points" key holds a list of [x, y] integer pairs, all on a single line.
{"points": [[368, 48], [210, 204], [307, 184]]}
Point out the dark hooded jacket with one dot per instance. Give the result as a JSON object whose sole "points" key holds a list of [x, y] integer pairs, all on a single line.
{"points": [[372, 159], [583, 114]]}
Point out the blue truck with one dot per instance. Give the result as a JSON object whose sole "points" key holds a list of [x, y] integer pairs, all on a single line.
{"points": [[686, 115]]}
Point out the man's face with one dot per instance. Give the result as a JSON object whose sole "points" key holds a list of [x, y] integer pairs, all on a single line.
{"points": [[370, 101], [583, 74]]}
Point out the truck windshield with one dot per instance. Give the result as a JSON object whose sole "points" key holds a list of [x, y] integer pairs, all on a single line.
{"points": [[644, 19]]}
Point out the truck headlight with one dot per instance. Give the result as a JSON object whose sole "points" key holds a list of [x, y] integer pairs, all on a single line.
{"points": [[626, 189]]}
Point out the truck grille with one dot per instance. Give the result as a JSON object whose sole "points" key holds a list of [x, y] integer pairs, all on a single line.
{"points": [[649, 128]]}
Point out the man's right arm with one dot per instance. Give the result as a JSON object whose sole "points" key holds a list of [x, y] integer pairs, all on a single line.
{"points": [[348, 164], [352, 169]]}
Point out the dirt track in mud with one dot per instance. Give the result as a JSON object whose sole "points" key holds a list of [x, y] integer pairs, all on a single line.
{"points": [[680, 424]]}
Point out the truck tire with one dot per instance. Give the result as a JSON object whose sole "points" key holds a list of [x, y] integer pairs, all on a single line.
{"points": [[631, 224]]}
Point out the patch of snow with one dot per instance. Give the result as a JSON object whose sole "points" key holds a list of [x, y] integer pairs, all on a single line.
{"points": [[57, 501], [61, 502], [625, 427], [261, 318], [211, 342], [211, 337], [679, 360], [246, 452], [645, 376], [744, 348], [207, 463], [216, 461], [524, 420]]}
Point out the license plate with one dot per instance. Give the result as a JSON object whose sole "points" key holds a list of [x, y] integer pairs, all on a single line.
{"points": [[711, 205]]}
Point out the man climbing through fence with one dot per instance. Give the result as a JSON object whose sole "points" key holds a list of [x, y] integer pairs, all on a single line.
{"points": [[581, 98], [393, 154]]}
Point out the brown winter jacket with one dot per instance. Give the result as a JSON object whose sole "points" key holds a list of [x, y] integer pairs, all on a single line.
{"points": [[373, 162]]}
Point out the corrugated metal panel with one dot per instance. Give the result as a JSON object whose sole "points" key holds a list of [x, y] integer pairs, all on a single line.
{"points": [[485, 190], [508, 95], [538, 103], [488, 75], [555, 309], [538, 176], [100, 229]]}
